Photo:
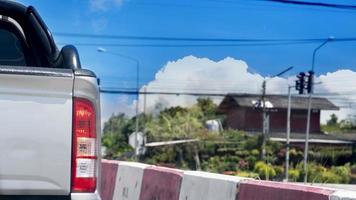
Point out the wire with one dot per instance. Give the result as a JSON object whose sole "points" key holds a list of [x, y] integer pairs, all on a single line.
{"points": [[192, 92], [195, 39], [189, 45], [314, 4], [106, 91]]}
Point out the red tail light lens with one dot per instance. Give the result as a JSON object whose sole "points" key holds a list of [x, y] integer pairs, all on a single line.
{"points": [[84, 161]]}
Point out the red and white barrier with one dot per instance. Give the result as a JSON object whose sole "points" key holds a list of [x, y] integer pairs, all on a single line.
{"points": [[255, 190], [161, 183], [343, 195], [208, 186], [108, 179], [129, 180], [136, 181]]}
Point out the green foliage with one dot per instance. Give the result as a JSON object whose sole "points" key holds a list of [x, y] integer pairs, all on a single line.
{"points": [[247, 174], [320, 174], [229, 152], [115, 136], [175, 123], [279, 170], [265, 171], [333, 120], [207, 107], [331, 156], [343, 173], [333, 126], [293, 174]]}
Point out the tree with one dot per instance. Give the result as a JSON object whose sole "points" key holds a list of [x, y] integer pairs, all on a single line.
{"points": [[175, 123], [115, 135], [333, 120], [207, 107]]}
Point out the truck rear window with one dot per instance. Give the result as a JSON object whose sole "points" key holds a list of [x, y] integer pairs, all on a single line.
{"points": [[11, 51]]}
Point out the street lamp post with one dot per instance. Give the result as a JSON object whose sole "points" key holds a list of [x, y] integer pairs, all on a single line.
{"points": [[103, 50], [306, 147]]}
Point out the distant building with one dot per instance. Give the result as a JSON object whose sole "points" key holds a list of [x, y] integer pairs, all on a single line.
{"points": [[141, 141], [242, 114]]}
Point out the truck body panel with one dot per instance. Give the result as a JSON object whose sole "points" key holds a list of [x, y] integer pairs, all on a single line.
{"points": [[36, 132], [49, 113]]}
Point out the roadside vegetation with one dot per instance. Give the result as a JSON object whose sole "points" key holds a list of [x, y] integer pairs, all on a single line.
{"points": [[333, 125], [229, 151]]}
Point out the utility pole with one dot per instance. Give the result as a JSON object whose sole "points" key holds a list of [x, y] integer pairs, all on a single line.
{"points": [[288, 131], [265, 114], [144, 99], [310, 90], [264, 120]]}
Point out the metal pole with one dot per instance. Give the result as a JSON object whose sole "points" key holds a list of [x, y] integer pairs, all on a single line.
{"points": [[145, 100], [137, 105], [265, 114], [288, 131], [306, 147], [103, 50], [264, 121]]}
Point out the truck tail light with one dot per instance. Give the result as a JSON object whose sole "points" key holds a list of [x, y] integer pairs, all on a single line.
{"points": [[84, 160]]}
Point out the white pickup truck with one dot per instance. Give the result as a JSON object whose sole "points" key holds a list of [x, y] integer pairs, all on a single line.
{"points": [[49, 113]]}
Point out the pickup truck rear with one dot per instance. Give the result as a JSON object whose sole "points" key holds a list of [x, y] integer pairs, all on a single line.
{"points": [[50, 113]]}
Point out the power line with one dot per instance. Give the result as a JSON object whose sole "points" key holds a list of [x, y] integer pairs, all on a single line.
{"points": [[250, 3], [107, 91], [190, 45], [193, 39], [314, 4], [131, 91]]}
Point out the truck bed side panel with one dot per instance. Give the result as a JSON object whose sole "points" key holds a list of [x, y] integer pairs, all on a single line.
{"points": [[35, 131]]}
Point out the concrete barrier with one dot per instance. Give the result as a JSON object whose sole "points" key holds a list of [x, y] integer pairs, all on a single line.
{"points": [[108, 179], [129, 180], [208, 186], [136, 181], [343, 195], [160, 183], [267, 190]]}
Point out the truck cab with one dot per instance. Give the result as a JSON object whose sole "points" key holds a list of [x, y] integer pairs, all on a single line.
{"points": [[49, 113]]}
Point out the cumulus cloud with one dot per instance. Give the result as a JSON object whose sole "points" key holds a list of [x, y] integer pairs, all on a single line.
{"points": [[104, 5], [338, 87], [114, 105], [202, 75]]}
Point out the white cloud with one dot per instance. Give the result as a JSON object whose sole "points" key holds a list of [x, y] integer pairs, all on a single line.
{"points": [[191, 74], [118, 104], [104, 5], [202, 75], [340, 88]]}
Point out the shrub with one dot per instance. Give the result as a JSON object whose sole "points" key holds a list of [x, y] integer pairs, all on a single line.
{"points": [[264, 170], [279, 170], [255, 152], [294, 174], [343, 172], [319, 174], [247, 174], [329, 177]]}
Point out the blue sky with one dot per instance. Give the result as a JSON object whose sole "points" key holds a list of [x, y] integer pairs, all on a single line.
{"points": [[201, 19]]}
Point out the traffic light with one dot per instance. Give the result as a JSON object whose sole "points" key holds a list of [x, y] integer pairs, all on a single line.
{"points": [[310, 79], [299, 83]]}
